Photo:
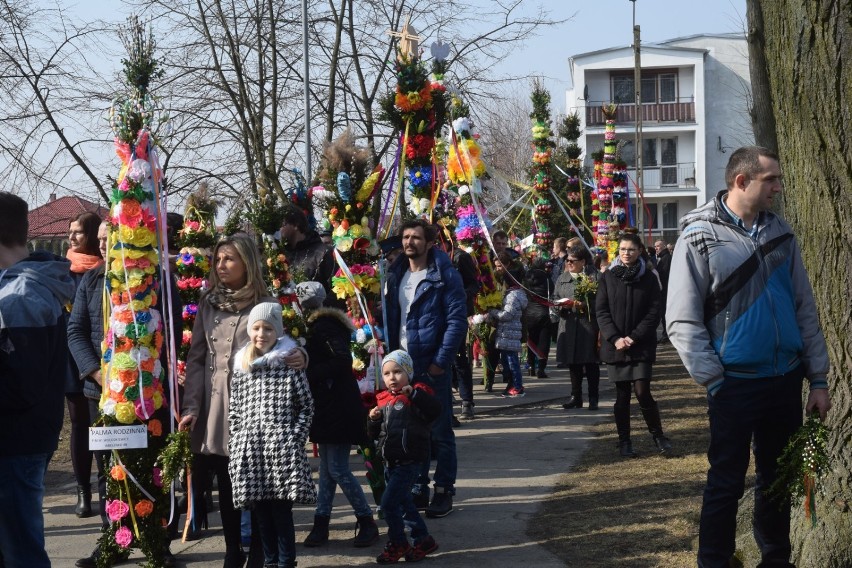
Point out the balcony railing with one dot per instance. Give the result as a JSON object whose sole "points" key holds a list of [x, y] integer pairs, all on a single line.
{"points": [[663, 178], [681, 111]]}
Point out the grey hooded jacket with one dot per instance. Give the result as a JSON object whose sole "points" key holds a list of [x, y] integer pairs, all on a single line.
{"points": [[742, 307]]}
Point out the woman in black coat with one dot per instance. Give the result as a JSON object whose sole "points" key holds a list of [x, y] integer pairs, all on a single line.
{"points": [[340, 418], [577, 340], [628, 312]]}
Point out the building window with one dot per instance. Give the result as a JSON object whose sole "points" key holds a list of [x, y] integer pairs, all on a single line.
{"points": [[649, 153], [622, 89], [668, 87], [657, 87], [670, 217], [668, 161]]}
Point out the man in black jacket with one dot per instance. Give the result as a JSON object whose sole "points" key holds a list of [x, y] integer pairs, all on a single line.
{"points": [[664, 264], [307, 255], [466, 267]]}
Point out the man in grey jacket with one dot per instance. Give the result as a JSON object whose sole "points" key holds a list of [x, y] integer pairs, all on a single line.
{"points": [[742, 316]]}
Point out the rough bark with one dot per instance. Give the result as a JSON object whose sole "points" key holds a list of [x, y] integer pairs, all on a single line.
{"points": [[762, 115], [809, 56]]}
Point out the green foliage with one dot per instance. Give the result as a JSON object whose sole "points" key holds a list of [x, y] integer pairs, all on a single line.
{"points": [[541, 103], [140, 67], [233, 223], [570, 127], [175, 457], [265, 214]]}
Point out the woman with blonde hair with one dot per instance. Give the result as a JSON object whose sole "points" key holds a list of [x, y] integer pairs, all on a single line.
{"points": [[220, 330]]}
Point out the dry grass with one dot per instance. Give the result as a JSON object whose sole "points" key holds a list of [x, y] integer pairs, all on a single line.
{"points": [[643, 512]]}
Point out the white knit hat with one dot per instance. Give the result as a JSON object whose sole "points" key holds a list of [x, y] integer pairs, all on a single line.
{"points": [[311, 295], [270, 312]]}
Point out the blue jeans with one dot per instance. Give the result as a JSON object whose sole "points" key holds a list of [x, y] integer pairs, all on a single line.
{"points": [[21, 518], [333, 471], [512, 361], [763, 413], [398, 503], [443, 448], [277, 533]]}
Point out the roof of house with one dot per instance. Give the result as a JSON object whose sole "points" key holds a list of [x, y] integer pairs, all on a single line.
{"points": [[52, 219], [664, 45]]}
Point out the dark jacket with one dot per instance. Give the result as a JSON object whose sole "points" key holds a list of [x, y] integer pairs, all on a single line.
{"points": [[664, 264], [577, 339], [339, 415], [33, 353], [312, 259], [86, 328], [629, 309], [466, 267], [539, 283], [436, 323], [403, 430]]}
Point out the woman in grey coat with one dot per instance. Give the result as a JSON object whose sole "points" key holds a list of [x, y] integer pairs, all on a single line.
{"points": [[236, 286], [577, 338]]}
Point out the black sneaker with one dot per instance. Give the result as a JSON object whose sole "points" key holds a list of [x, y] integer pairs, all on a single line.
{"points": [[441, 505]]}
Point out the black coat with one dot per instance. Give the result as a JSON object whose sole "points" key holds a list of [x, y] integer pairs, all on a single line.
{"points": [[339, 415], [404, 431], [539, 283], [628, 309], [466, 267], [664, 264], [577, 339]]}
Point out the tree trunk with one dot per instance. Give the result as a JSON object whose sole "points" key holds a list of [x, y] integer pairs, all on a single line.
{"points": [[808, 51], [762, 115]]}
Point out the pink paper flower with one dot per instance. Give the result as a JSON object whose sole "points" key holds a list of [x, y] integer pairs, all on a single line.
{"points": [[123, 537], [117, 510], [157, 477]]}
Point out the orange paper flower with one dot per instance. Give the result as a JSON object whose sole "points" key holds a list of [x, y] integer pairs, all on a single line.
{"points": [[117, 473], [144, 508], [155, 427]]}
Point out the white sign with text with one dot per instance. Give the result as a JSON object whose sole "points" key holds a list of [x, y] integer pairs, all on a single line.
{"points": [[118, 437]]}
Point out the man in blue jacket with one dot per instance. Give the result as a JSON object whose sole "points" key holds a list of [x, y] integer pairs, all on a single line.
{"points": [[34, 288], [425, 313], [742, 316]]}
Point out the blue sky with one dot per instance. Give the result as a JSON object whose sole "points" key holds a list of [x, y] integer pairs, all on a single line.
{"points": [[599, 24]]}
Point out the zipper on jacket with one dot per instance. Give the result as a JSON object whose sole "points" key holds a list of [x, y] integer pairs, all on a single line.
{"points": [[765, 276], [725, 335], [405, 440]]}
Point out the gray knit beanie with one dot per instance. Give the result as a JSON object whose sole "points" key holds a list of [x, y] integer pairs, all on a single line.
{"points": [[270, 312]]}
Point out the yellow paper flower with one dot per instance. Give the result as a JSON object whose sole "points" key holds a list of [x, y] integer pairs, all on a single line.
{"points": [[125, 412], [358, 364]]}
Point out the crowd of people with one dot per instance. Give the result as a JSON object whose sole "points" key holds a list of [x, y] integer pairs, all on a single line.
{"points": [[253, 397]]}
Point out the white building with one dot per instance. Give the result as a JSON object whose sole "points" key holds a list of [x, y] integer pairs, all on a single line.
{"points": [[695, 92]]}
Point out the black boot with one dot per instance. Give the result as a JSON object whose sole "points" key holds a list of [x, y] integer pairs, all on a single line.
{"points": [[366, 532], [622, 425], [576, 401], [593, 403], [655, 427], [319, 533], [84, 501]]}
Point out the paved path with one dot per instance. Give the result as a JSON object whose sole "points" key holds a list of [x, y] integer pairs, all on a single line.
{"points": [[510, 458]]}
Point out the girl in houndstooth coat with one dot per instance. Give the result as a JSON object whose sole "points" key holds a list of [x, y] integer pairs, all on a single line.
{"points": [[270, 416]]}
